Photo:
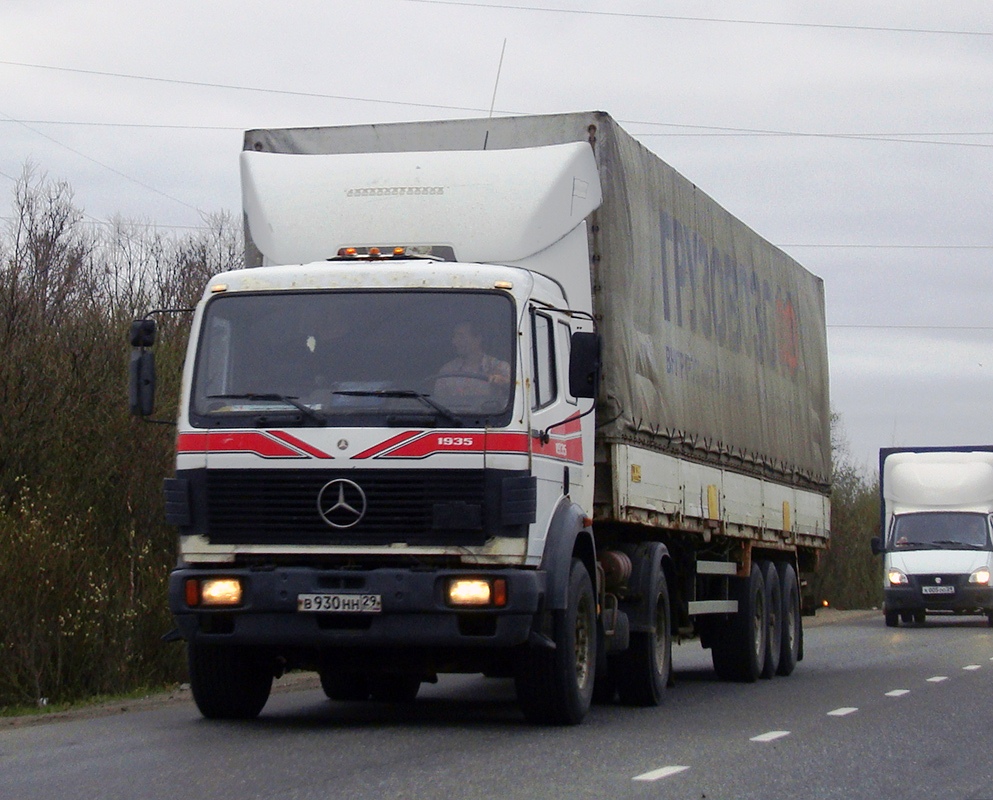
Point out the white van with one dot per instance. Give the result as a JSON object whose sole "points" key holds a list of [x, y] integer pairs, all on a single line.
{"points": [[937, 505]]}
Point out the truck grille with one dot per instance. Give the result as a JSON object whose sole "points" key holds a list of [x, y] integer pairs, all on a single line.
{"points": [[416, 507]]}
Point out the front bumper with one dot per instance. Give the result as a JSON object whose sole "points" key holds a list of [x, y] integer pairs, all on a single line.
{"points": [[414, 612], [965, 598]]}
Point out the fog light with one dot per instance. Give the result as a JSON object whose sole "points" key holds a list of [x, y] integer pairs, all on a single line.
{"points": [[477, 592], [220, 592]]}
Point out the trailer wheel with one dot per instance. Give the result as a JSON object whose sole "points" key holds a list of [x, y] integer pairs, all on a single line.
{"points": [[555, 687], [228, 682], [344, 686], [892, 619], [739, 655], [774, 618], [644, 669], [789, 653]]}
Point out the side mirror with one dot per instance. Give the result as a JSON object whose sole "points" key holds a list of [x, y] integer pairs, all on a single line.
{"points": [[877, 545], [141, 390], [143, 333], [584, 365]]}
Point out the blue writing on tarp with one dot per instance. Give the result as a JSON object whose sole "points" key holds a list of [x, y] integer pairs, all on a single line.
{"points": [[715, 296]]}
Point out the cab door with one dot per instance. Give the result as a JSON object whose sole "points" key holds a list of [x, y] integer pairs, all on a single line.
{"points": [[555, 438]]}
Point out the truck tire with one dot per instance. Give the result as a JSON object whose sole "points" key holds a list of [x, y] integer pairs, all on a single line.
{"points": [[228, 682], [892, 619], [643, 670], [555, 686], [789, 653], [774, 618], [344, 686], [739, 649]]}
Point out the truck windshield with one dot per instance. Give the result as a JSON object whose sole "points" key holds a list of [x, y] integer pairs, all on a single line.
{"points": [[941, 529], [355, 358]]}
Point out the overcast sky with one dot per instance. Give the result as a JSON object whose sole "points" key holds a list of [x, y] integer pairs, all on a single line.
{"points": [[857, 136]]}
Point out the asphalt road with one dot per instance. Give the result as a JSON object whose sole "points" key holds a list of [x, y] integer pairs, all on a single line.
{"points": [[871, 712]]}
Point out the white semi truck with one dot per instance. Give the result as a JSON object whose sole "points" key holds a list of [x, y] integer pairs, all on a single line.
{"points": [[937, 504], [503, 396]]}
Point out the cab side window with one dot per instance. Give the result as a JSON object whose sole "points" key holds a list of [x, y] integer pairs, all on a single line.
{"points": [[545, 386]]}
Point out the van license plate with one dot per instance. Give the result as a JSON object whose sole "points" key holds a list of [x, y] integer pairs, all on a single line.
{"points": [[938, 590], [340, 603]]}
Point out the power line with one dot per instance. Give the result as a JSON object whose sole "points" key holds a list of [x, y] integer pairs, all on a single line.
{"points": [[718, 20], [697, 130], [101, 164], [237, 87], [855, 326], [694, 129], [894, 246]]}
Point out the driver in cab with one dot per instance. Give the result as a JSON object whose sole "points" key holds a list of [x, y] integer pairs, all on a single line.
{"points": [[474, 373]]}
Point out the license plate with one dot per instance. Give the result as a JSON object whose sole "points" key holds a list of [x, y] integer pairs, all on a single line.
{"points": [[938, 590], [340, 603]]}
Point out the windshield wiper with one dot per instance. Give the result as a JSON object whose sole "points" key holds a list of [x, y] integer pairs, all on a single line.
{"points": [[966, 545], [290, 400], [404, 393]]}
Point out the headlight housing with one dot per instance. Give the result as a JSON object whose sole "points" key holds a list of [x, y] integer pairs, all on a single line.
{"points": [[213, 592], [472, 592], [980, 576], [896, 577]]}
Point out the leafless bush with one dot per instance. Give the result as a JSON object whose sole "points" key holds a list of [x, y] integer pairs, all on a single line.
{"points": [[84, 551]]}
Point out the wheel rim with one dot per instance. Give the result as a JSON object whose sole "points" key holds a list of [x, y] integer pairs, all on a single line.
{"points": [[789, 627], [583, 642], [661, 623], [759, 642]]}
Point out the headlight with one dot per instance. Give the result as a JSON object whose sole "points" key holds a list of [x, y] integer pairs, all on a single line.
{"points": [[476, 592], [980, 576], [213, 592], [896, 578]]}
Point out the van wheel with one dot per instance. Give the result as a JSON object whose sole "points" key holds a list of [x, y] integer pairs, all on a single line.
{"points": [[919, 617], [390, 688], [892, 619], [555, 687]]}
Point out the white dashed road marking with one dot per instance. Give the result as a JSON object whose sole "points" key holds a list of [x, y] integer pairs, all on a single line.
{"points": [[937, 679], [841, 712], [898, 693], [657, 774], [972, 667], [770, 736]]}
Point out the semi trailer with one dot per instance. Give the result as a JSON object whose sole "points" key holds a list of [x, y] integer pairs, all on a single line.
{"points": [[506, 396]]}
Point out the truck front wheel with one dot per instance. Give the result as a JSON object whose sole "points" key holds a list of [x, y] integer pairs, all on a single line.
{"points": [[228, 682], [555, 686]]}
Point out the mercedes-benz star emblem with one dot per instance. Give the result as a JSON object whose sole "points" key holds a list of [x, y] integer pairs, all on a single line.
{"points": [[341, 503]]}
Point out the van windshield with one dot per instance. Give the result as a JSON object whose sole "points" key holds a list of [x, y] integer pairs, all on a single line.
{"points": [[355, 358], [941, 529]]}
